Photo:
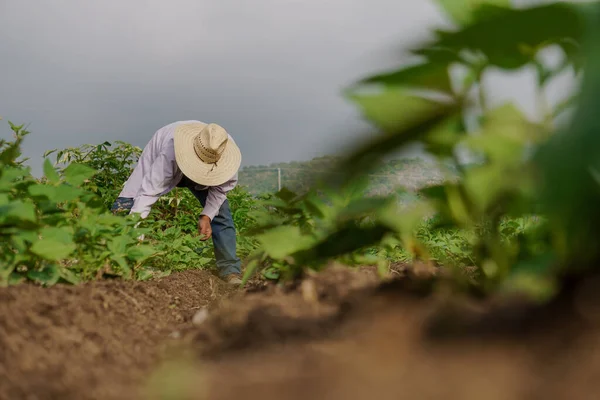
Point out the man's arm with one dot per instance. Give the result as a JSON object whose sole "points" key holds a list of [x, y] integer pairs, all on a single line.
{"points": [[217, 196], [154, 183]]}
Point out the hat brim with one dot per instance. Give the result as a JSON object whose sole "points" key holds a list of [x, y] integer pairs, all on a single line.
{"points": [[197, 170]]}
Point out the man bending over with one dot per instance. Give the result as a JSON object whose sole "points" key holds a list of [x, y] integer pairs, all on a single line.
{"points": [[203, 158]]}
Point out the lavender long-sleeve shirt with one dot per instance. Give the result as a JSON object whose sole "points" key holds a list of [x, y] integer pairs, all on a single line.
{"points": [[157, 173]]}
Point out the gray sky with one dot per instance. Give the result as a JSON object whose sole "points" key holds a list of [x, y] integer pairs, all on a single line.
{"points": [[270, 71]]}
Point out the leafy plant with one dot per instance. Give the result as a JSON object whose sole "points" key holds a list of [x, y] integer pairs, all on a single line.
{"points": [[178, 250], [52, 229], [113, 165]]}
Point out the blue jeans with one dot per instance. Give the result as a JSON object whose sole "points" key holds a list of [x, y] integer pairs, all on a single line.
{"points": [[223, 230]]}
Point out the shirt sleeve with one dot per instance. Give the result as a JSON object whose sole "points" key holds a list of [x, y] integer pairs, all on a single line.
{"points": [[217, 196], [154, 183]]}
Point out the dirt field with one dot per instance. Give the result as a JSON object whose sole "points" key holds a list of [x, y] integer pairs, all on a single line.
{"points": [[339, 335]]}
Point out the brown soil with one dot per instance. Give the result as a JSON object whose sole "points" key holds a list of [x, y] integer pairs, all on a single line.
{"points": [[93, 341], [338, 335]]}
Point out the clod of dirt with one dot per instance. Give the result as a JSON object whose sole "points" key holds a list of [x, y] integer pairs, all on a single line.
{"points": [[200, 317], [311, 308]]}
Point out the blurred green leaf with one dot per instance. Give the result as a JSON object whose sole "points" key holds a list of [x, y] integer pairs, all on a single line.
{"points": [[29, 236], [56, 194], [55, 244], [282, 241], [69, 276], [118, 245], [271, 273], [120, 260], [565, 105], [143, 275], [363, 206], [110, 220], [52, 249], [140, 252], [77, 174], [442, 140], [8, 175], [251, 267], [347, 238], [484, 184], [395, 109], [63, 234], [286, 195], [50, 172], [570, 193], [18, 210], [463, 11], [433, 76], [510, 38], [48, 275]]}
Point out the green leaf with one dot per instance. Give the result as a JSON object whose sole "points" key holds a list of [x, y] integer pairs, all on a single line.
{"points": [[122, 263], [8, 176], [510, 38], [504, 135], [433, 76], [563, 106], [364, 206], [55, 244], [14, 279], [68, 275], [50, 172], [348, 238], [55, 194], [282, 241], [143, 275], [48, 275], [51, 249], [29, 236], [462, 11], [18, 210], [287, 195], [484, 184], [118, 245], [442, 140], [394, 109], [271, 273], [63, 234], [251, 267], [111, 220], [569, 190], [140, 253], [405, 221], [77, 174]]}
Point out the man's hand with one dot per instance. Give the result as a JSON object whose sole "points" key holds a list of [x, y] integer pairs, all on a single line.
{"points": [[204, 228]]}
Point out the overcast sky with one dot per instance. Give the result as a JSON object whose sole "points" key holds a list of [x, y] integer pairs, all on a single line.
{"points": [[270, 71]]}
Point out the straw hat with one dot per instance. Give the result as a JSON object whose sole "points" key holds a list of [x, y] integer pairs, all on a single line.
{"points": [[205, 153]]}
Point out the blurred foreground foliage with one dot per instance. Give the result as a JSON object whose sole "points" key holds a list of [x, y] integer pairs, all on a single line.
{"points": [[522, 207]]}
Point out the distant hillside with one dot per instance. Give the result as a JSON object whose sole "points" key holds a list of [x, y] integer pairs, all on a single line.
{"points": [[298, 176]]}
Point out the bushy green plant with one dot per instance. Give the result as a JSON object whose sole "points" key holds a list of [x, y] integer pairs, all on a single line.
{"points": [[113, 164], [53, 229]]}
